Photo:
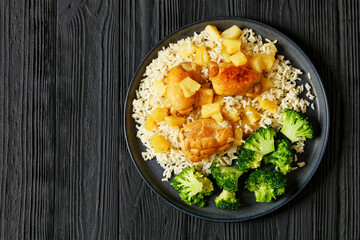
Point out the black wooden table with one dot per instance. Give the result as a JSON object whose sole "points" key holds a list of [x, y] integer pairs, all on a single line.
{"points": [[65, 67]]}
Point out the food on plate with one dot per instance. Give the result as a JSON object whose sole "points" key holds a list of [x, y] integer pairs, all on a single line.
{"points": [[261, 141], [203, 137], [227, 201], [231, 80], [282, 157], [295, 126], [180, 104], [266, 184], [248, 159], [232, 32], [203, 96], [193, 186], [226, 177]]}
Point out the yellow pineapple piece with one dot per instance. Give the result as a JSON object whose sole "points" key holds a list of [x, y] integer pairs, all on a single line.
{"points": [[225, 55], [150, 123], [232, 45], [217, 117], [272, 47], [266, 83], [266, 104], [257, 64], [238, 136], [232, 32], [186, 50], [159, 114], [160, 87], [174, 121], [261, 61], [268, 60], [189, 86], [201, 56], [210, 109], [205, 96], [213, 32], [238, 59], [233, 115], [252, 114], [253, 126], [159, 143]]}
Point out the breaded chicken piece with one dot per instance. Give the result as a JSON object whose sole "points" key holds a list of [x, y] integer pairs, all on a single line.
{"points": [[203, 137], [227, 79], [174, 94]]}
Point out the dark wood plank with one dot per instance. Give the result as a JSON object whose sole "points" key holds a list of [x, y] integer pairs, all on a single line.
{"points": [[87, 113], [27, 43]]}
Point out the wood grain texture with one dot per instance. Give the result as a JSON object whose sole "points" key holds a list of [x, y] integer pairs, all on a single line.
{"points": [[27, 44], [65, 67]]}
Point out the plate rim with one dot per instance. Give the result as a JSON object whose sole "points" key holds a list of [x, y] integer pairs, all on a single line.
{"points": [[325, 130]]}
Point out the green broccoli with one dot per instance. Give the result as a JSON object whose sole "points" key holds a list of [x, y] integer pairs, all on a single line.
{"points": [[282, 157], [193, 186], [248, 159], [226, 176], [261, 141], [266, 184], [295, 126], [227, 201]]}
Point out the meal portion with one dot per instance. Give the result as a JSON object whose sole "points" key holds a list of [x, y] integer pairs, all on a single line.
{"points": [[216, 97]]}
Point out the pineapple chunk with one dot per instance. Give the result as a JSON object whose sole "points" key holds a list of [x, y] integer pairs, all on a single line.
{"points": [[213, 32], [217, 117], [268, 60], [238, 59], [232, 45], [205, 96], [266, 83], [262, 61], [272, 47], [266, 104], [219, 99], [257, 64], [238, 136], [174, 121], [160, 87], [233, 115], [232, 32], [159, 143], [201, 56], [158, 114], [189, 86], [252, 114], [150, 123], [186, 50], [253, 126], [225, 55], [210, 109]]}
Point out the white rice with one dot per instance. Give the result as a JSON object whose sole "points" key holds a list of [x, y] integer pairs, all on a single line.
{"points": [[286, 89]]}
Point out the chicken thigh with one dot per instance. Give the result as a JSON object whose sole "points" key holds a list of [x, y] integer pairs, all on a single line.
{"points": [[174, 94], [203, 137], [231, 80]]}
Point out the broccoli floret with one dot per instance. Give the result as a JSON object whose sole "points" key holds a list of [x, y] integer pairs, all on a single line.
{"points": [[227, 201], [295, 126], [261, 141], [193, 186], [266, 184], [226, 176], [282, 157], [248, 159]]}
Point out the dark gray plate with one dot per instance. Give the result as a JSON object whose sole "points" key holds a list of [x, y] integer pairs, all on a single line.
{"points": [[151, 172]]}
